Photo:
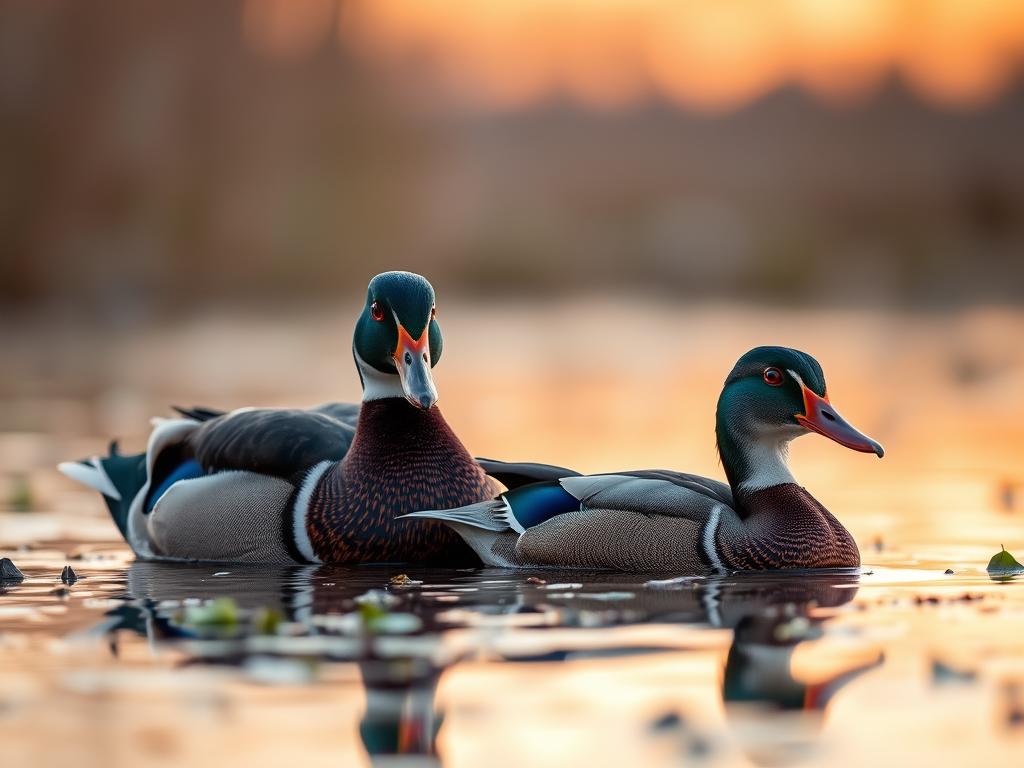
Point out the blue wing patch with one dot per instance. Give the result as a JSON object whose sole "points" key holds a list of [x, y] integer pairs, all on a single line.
{"points": [[187, 470], [538, 502]]}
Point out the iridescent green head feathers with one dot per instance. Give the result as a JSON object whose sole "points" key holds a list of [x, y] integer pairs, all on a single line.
{"points": [[397, 339], [773, 395]]}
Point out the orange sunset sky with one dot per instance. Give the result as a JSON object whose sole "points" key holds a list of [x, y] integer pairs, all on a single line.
{"points": [[714, 55]]}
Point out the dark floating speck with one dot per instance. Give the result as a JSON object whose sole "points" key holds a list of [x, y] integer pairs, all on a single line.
{"points": [[950, 571], [668, 721], [943, 674], [9, 571], [68, 575]]}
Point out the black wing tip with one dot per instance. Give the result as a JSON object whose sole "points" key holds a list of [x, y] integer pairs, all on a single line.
{"points": [[198, 413]]}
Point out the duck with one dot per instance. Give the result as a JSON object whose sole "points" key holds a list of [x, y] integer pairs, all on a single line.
{"points": [[662, 520], [319, 485]]}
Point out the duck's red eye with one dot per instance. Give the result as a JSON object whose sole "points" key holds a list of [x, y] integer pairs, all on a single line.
{"points": [[377, 311], [773, 377]]}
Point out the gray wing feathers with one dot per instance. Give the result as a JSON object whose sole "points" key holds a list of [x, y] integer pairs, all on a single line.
{"points": [[487, 515], [280, 442], [603, 538], [638, 494], [229, 516]]}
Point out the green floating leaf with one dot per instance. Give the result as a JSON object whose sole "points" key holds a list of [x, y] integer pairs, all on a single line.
{"points": [[266, 621], [1004, 564], [222, 612]]}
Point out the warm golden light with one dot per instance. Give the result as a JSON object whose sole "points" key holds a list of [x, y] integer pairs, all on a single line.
{"points": [[720, 55]]}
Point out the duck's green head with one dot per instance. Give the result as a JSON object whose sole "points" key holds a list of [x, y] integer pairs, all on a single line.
{"points": [[773, 395], [397, 339]]}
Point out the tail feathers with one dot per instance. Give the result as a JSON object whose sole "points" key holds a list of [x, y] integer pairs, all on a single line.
{"points": [[494, 515], [119, 478], [90, 472], [199, 413]]}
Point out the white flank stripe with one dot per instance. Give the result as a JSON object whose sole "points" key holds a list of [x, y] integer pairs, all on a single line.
{"points": [[710, 529], [302, 542]]}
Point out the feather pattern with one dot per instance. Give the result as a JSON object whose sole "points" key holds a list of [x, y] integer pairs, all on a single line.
{"points": [[277, 442], [354, 509]]}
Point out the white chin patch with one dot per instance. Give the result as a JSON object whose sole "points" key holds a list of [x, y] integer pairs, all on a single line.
{"points": [[377, 385], [768, 460]]}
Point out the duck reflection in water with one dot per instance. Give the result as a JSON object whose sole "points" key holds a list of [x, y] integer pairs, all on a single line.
{"points": [[773, 710], [400, 716], [776, 710]]}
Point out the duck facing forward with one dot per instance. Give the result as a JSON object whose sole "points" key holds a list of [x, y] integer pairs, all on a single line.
{"points": [[659, 520], [319, 485]]}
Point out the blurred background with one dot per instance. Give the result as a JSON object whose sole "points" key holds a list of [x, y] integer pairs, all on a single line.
{"points": [[613, 199]]}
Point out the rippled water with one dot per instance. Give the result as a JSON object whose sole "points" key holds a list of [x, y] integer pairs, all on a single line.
{"points": [[900, 664]]}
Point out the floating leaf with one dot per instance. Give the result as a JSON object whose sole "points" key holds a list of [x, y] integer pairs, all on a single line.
{"points": [[222, 612], [1003, 564], [266, 621]]}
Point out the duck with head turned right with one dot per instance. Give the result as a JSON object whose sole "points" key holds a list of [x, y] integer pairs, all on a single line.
{"points": [[660, 520]]}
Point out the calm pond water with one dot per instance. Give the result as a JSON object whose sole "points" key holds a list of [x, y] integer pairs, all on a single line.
{"points": [[148, 663], [899, 664]]}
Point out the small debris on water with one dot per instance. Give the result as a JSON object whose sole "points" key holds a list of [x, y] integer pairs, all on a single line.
{"points": [[267, 621], [68, 575], [1014, 705], [943, 674], [61, 592], [949, 571], [1008, 496], [222, 573], [9, 571], [669, 721], [797, 628], [536, 580], [377, 598], [1003, 565], [403, 580], [676, 583]]}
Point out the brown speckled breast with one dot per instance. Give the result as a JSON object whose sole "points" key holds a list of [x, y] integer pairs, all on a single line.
{"points": [[784, 527], [403, 459]]}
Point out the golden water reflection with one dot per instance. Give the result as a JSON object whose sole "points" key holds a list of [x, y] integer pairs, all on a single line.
{"points": [[901, 664]]}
